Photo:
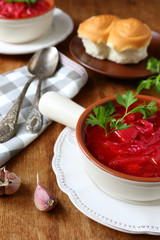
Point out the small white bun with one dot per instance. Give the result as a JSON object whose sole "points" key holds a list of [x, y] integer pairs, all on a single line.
{"points": [[128, 41], [128, 34], [94, 33]]}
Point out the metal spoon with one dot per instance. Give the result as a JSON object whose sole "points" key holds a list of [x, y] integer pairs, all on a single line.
{"points": [[8, 123], [43, 64]]}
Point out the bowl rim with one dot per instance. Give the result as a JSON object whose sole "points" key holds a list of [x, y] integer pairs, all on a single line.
{"points": [[8, 20], [92, 159]]}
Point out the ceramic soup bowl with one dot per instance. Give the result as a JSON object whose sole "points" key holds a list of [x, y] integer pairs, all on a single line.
{"points": [[117, 184], [22, 30]]}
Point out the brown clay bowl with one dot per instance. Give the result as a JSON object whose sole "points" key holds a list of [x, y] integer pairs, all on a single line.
{"points": [[112, 182]]}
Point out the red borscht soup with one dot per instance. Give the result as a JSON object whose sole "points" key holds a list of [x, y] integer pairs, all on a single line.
{"points": [[20, 10], [134, 151]]}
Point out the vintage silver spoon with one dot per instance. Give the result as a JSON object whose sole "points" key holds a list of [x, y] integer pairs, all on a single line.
{"points": [[42, 65], [8, 123]]}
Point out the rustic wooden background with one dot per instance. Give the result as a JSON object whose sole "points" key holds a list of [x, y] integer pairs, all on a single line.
{"points": [[19, 219]]}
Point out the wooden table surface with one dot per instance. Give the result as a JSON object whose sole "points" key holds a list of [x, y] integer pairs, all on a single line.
{"points": [[19, 219]]}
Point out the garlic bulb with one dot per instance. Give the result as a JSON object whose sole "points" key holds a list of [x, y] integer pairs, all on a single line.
{"points": [[43, 198], [9, 182]]}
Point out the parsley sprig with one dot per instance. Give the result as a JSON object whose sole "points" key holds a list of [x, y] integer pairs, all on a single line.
{"points": [[153, 65], [104, 115], [24, 1]]}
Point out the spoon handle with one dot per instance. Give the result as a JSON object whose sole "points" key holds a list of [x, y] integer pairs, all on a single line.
{"points": [[8, 123], [35, 119]]}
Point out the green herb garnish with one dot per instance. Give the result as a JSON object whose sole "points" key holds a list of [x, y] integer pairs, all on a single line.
{"points": [[153, 65], [104, 115], [24, 1]]}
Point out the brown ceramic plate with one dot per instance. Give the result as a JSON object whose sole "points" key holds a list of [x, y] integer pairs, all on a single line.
{"points": [[111, 69]]}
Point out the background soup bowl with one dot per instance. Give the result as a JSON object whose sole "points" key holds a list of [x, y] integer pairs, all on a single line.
{"points": [[18, 31], [114, 183]]}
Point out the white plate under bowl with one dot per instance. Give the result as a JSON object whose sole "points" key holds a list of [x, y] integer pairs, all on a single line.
{"points": [[91, 201], [61, 27]]}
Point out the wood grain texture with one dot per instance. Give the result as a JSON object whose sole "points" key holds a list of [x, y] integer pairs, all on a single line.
{"points": [[19, 219]]}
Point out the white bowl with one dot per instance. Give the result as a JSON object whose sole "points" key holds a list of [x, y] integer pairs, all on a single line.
{"points": [[119, 185], [25, 30]]}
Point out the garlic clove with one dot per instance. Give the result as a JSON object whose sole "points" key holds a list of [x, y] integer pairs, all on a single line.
{"points": [[14, 182], [43, 198], [9, 182]]}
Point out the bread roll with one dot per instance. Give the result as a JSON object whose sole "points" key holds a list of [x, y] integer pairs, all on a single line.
{"points": [[95, 32], [128, 41], [119, 40]]}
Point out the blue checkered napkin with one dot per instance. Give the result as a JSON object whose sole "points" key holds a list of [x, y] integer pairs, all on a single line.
{"points": [[68, 80]]}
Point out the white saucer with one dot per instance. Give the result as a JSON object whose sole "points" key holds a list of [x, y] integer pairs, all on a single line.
{"points": [[91, 201], [61, 27]]}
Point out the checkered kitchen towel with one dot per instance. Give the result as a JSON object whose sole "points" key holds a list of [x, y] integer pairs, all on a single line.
{"points": [[68, 80]]}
